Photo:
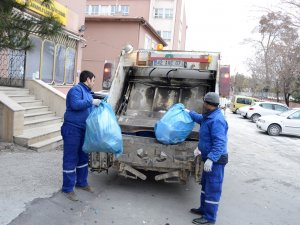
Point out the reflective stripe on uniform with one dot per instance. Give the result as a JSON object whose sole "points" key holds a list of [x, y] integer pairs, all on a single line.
{"points": [[211, 202], [82, 166], [203, 192], [69, 171]]}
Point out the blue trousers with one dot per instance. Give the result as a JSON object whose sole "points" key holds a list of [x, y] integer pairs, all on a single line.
{"points": [[211, 192], [75, 161]]}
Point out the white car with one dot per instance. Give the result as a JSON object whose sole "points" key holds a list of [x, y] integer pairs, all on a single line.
{"points": [[285, 123], [243, 110], [259, 109]]}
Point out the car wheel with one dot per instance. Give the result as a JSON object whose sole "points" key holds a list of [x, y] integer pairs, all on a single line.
{"points": [[274, 129], [255, 117], [245, 116]]}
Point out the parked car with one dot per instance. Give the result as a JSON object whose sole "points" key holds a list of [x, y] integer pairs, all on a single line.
{"points": [[238, 101], [287, 122], [243, 111], [259, 109]]}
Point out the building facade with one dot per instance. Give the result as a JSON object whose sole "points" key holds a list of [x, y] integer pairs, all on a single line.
{"points": [[54, 60], [107, 35], [166, 16]]}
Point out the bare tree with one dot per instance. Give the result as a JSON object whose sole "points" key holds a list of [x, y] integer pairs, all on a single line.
{"points": [[293, 10], [272, 28]]}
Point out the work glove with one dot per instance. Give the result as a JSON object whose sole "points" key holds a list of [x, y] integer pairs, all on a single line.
{"points": [[197, 152], [187, 110], [208, 165], [96, 102]]}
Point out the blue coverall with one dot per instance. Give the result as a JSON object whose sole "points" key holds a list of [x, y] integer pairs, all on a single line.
{"points": [[213, 145], [75, 161]]}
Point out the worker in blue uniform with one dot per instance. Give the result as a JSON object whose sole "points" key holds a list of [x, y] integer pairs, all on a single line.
{"points": [[213, 148], [79, 104]]}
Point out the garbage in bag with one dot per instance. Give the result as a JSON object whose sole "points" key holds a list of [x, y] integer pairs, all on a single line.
{"points": [[103, 133], [175, 126]]}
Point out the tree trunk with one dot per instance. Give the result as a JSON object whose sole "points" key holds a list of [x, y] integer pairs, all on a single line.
{"points": [[287, 99]]}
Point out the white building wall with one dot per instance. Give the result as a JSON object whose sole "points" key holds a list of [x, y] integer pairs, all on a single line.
{"points": [[164, 24]]}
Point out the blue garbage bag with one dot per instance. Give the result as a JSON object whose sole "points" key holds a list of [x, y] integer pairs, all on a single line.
{"points": [[175, 126], [103, 133]]}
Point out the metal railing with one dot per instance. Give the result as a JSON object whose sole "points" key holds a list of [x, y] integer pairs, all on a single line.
{"points": [[12, 67]]}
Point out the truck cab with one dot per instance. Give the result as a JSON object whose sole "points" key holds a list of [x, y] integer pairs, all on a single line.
{"points": [[145, 85]]}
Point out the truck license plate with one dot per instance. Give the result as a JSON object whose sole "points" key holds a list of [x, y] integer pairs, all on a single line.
{"points": [[170, 63]]}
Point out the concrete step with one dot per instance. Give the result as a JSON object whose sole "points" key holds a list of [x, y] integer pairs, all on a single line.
{"points": [[55, 143], [30, 103], [34, 135], [21, 97], [34, 109], [38, 115], [14, 91], [42, 122]]}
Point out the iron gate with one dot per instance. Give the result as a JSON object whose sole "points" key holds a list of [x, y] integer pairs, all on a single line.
{"points": [[12, 67]]}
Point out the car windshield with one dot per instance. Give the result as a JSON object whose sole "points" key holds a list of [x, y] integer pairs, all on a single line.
{"points": [[287, 113]]}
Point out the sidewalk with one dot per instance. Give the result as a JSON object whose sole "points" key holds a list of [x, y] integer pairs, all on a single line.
{"points": [[25, 176]]}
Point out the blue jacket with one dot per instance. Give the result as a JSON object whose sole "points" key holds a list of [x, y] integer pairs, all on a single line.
{"points": [[212, 134], [78, 105]]}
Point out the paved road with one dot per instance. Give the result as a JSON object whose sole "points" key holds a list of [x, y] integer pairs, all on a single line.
{"points": [[261, 187]]}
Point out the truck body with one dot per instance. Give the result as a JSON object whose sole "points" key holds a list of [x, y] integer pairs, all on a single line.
{"points": [[146, 83]]}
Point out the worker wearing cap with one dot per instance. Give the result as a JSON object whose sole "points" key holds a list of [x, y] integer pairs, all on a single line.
{"points": [[213, 148]]}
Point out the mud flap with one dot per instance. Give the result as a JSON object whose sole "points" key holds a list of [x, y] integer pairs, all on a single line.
{"points": [[199, 166]]}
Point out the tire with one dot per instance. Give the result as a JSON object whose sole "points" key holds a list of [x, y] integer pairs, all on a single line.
{"points": [[254, 117], [274, 129]]}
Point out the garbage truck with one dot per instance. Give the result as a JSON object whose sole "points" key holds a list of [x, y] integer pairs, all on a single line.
{"points": [[145, 84]]}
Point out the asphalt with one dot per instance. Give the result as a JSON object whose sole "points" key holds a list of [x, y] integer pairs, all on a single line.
{"points": [[261, 187]]}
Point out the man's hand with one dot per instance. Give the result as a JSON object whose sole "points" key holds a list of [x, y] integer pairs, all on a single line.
{"points": [[96, 102], [208, 165], [197, 152]]}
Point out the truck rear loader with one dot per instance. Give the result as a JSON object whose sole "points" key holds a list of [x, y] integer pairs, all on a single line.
{"points": [[146, 83]]}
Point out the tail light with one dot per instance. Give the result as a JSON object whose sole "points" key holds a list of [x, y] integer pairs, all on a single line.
{"points": [[251, 108], [107, 75], [107, 71]]}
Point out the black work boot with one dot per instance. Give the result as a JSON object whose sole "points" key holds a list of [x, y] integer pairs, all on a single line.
{"points": [[196, 211], [201, 220]]}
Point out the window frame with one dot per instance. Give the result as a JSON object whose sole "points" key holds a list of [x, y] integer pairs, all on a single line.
{"points": [[158, 13]]}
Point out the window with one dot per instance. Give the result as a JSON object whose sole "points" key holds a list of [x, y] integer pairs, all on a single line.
{"points": [[266, 106], [167, 35], [33, 58], [169, 13], [246, 101], [48, 62], [113, 9], [158, 13], [60, 64], [280, 108], [147, 42], [70, 65], [295, 115], [95, 10], [104, 10], [125, 10]]}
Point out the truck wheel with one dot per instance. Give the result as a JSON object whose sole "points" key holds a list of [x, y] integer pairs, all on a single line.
{"points": [[254, 117], [274, 130]]}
